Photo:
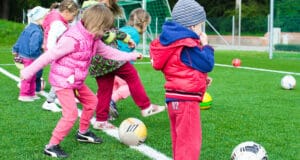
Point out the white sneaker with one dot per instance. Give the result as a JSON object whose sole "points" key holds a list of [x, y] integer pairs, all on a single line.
{"points": [[35, 97], [51, 107], [26, 98], [57, 101], [103, 125], [152, 109], [42, 93]]}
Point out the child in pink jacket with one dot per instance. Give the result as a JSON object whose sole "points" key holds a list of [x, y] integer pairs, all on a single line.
{"points": [[70, 60]]}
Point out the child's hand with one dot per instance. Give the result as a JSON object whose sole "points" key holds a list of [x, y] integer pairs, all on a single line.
{"points": [[209, 81], [131, 43], [203, 39], [138, 55]]}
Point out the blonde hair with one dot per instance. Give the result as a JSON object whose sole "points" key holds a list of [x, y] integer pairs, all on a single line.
{"points": [[68, 5], [139, 18], [97, 19]]}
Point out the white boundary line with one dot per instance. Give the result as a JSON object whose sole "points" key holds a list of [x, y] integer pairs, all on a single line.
{"points": [[241, 67], [259, 69], [143, 148]]}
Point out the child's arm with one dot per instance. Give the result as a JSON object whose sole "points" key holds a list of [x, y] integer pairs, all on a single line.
{"points": [[57, 28], [35, 42], [114, 35], [65, 46], [114, 54]]}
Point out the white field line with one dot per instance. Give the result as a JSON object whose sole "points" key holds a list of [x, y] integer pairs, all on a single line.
{"points": [[143, 148], [241, 67]]}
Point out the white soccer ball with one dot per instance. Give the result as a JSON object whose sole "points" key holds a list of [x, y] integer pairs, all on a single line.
{"points": [[249, 151], [132, 131], [288, 82]]}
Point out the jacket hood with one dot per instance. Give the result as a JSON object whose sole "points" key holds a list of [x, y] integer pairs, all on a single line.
{"points": [[172, 31], [173, 39]]}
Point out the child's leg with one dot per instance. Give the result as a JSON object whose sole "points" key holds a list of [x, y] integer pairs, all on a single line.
{"points": [[51, 95], [38, 80], [89, 102], [121, 89], [186, 130], [69, 115], [105, 86], [138, 93], [28, 85]]}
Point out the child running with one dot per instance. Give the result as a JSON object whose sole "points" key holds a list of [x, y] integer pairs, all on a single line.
{"points": [[54, 25], [183, 55], [137, 24], [28, 48], [70, 59]]}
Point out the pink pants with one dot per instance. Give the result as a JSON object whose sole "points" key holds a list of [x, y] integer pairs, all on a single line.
{"points": [[70, 112], [186, 129], [28, 86], [120, 89], [105, 87]]}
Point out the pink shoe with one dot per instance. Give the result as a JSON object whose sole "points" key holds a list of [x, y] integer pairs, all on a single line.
{"points": [[152, 109], [103, 125]]}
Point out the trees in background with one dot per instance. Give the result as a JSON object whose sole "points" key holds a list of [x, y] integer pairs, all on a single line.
{"points": [[254, 12]]}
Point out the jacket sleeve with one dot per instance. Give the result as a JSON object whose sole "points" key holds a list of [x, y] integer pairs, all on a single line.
{"points": [[65, 45], [114, 54], [201, 59]]}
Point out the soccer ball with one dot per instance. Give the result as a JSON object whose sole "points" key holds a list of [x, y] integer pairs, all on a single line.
{"points": [[206, 102], [236, 62], [132, 131], [249, 151], [288, 82]]}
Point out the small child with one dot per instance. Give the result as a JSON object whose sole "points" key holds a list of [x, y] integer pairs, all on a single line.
{"points": [[54, 25], [29, 47], [183, 55], [137, 24], [70, 59]]}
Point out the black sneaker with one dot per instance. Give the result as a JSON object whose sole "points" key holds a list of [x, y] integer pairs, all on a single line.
{"points": [[113, 111], [55, 151], [88, 137]]}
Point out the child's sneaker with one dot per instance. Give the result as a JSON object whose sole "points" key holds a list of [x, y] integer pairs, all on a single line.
{"points": [[103, 125], [55, 151], [88, 137], [35, 97], [42, 93], [26, 98], [51, 107], [113, 111], [152, 109]]}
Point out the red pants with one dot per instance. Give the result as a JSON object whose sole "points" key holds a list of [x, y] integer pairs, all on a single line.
{"points": [[186, 129], [70, 112], [105, 86]]}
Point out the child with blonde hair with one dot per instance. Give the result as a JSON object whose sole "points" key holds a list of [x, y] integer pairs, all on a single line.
{"points": [[138, 21], [54, 25], [183, 55], [70, 59], [28, 48]]}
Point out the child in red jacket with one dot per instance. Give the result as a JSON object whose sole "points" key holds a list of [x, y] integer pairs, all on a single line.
{"points": [[182, 53]]}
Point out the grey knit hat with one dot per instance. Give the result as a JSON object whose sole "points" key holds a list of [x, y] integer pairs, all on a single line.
{"points": [[188, 13]]}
